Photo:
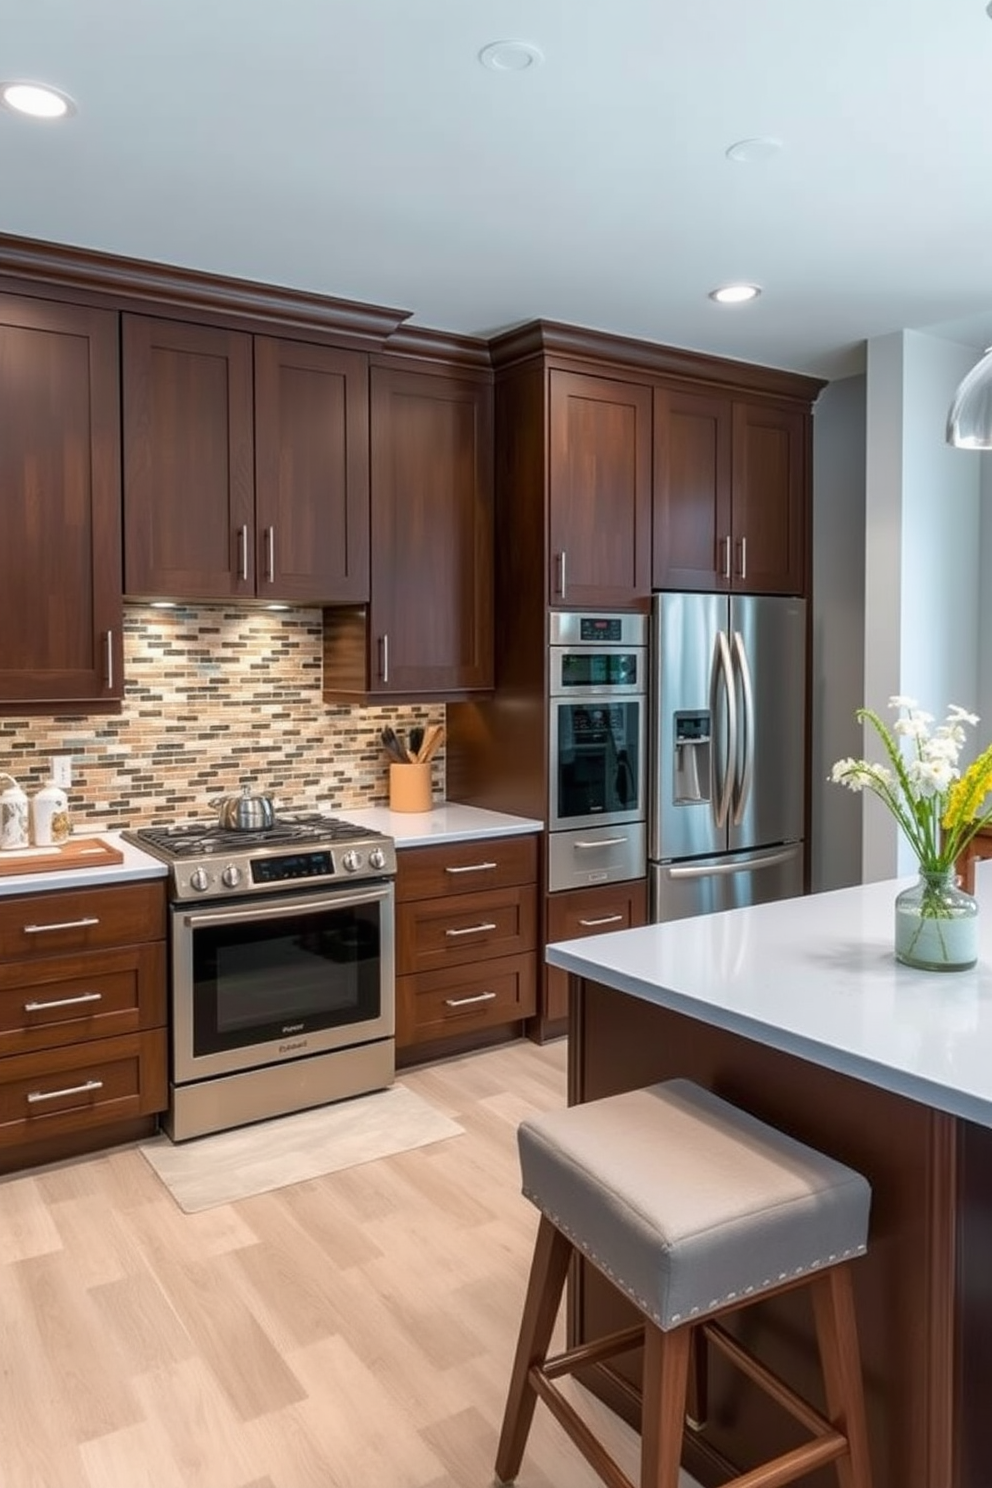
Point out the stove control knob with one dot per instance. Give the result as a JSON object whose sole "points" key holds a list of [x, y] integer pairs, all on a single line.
{"points": [[377, 858], [232, 875], [352, 862], [198, 880]]}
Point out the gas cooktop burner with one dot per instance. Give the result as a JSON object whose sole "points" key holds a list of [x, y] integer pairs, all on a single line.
{"points": [[192, 838], [300, 850]]}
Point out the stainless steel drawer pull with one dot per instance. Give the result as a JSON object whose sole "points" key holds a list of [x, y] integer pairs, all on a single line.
{"points": [[470, 930], [110, 660], [473, 868], [465, 1001], [270, 554], [243, 554], [57, 1002], [64, 925], [42, 1095], [604, 920], [602, 842]]}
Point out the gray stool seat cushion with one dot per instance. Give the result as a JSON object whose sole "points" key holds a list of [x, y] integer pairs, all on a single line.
{"points": [[685, 1202]]}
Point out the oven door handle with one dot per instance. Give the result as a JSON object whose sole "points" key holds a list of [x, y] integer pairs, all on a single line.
{"points": [[205, 919]]}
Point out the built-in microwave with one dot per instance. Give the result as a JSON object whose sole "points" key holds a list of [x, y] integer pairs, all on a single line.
{"points": [[597, 733]]}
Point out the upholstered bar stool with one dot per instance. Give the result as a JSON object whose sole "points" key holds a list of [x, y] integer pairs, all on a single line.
{"points": [[694, 1209]]}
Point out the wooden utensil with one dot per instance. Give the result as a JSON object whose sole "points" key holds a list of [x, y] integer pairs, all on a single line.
{"points": [[433, 739]]}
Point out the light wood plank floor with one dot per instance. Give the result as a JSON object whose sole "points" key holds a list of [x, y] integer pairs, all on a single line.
{"points": [[352, 1331]]}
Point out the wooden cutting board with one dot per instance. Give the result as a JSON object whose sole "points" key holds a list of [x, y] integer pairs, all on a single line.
{"points": [[78, 852]]}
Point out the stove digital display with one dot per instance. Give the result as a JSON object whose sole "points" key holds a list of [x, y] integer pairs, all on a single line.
{"points": [[292, 865]]}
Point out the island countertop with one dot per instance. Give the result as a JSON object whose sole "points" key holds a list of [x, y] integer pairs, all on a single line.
{"points": [[816, 977]]}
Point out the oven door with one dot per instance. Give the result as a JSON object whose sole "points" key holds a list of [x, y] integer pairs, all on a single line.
{"points": [[260, 982], [597, 761]]}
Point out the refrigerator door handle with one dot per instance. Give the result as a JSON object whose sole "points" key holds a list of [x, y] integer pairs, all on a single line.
{"points": [[747, 728], [724, 870], [723, 667]]}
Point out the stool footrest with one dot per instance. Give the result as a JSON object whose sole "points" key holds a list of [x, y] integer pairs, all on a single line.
{"points": [[572, 1423], [591, 1353], [776, 1388]]}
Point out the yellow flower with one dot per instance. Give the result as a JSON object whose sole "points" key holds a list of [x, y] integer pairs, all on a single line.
{"points": [[967, 794]]}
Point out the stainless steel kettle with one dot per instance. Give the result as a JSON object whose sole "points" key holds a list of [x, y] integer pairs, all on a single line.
{"points": [[245, 813]]}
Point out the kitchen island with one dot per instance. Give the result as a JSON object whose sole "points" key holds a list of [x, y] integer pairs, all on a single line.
{"points": [[799, 1012]]}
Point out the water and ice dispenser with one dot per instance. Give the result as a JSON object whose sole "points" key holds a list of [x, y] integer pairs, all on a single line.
{"points": [[692, 758]]}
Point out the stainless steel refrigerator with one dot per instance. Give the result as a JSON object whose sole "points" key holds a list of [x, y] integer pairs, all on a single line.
{"points": [[728, 709]]}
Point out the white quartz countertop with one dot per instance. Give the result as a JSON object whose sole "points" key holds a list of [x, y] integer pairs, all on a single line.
{"points": [[447, 821], [816, 977], [136, 864]]}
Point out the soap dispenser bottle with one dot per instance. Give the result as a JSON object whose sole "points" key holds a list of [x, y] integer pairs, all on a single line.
{"points": [[50, 815], [13, 814]]}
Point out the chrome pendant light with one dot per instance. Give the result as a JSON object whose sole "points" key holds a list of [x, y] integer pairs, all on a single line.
{"points": [[969, 422]]}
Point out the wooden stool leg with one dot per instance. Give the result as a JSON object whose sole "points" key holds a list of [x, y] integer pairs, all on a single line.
{"points": [[666, 1371], [837, 1334], [549, 1268], [697, 1401]]}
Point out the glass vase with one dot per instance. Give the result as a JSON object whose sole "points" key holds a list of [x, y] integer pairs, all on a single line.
{"points": [[936, 924]]}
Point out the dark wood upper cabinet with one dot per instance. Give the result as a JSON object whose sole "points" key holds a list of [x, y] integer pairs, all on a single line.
{"points": [[730, 493], [60, 553], [311, 471], [599, 491], [428, 628], [245, 466]]}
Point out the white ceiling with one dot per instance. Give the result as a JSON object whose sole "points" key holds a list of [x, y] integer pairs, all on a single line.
{"points": [[358, 148]]}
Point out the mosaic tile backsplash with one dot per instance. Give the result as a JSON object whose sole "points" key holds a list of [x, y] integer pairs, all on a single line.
{"points": [[215, 699]]}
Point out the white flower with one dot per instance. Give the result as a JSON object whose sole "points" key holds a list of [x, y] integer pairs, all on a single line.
{"points": [[961, 715], [903, 702], [930, 777], [859, 775]]}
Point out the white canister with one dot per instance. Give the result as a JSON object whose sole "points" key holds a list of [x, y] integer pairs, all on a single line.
{"points": [[50, 816], [13, 814]]}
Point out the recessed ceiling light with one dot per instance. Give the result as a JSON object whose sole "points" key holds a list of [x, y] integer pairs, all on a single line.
{"points": [[735, 294], [750, 151], [36, 99], [511, 56]]}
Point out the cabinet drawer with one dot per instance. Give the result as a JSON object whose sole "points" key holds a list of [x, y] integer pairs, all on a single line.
{"points": [[581, 912], [58, 1091], [463, 867], [81, 920], [73, 998], [439, 1004], [465, 927]]}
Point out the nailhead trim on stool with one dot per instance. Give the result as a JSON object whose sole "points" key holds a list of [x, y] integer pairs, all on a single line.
{"points": [[692, 1208]]}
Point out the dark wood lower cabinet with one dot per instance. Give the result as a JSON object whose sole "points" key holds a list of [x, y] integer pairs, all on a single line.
{"points": [[575, 914], [83, 1040], [923, 1299]]}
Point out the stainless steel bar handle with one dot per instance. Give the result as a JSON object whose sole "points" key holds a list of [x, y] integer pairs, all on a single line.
{"points": [[62, 925], [602, 842], [561, 573], [470, 930], [746, 780], [465, 1001], [279, 910], [110, 659], [603, 920], [59, 1002], [725, 567], [243, 553], [384, 645], [726, 870], [743, 568], [270, 554], [723, 668], [472, 868], [35, 1096]]}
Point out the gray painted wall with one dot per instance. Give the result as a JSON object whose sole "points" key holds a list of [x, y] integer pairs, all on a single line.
{"points": [[839, 447]]}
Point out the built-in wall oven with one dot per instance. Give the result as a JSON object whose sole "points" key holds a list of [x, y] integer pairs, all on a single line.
{"points": [[282, 968], [597, 734]]}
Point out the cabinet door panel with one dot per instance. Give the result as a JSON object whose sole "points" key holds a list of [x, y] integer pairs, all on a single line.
{"points": [[600, 490], [769, 506], [692, 491], [60, 566], [311, 472], [188, 476], [432, 520]]}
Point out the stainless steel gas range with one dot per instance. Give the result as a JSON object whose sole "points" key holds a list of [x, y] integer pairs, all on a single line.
{"points": [[282, 967]]}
